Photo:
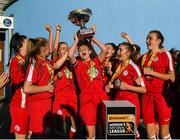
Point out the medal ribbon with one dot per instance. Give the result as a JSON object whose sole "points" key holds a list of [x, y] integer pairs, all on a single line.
{"points": [[19, 58], [69, 73], [91, 68], [51, 71], [118, 71], [151, 59]]}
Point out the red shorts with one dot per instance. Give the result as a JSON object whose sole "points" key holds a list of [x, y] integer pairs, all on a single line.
{"points": [[40, 115], [65, 104], [19, 120], [155, 109], [88, 108]]}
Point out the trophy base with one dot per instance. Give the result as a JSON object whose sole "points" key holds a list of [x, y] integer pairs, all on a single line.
{"points": [[85, 33]]}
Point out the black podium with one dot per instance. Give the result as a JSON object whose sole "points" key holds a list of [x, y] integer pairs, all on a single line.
{"points": [[119, 119]]}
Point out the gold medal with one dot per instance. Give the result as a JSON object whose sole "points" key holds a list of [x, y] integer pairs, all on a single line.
{"points": [[68, 73]]}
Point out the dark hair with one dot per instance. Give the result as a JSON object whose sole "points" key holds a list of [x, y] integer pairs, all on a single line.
{"points": [[115, 48], [17, 41], [88, 44], [136, 53], [61, 43], [34, 46], [159, 36], [134, 50], [15, 44], [128, 46], [37, 43]]}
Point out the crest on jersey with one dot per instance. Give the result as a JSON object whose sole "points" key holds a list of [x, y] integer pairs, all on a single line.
{"points": [[59, 112], [17, 128], [156, 59], [92, 72], [125, 73]]}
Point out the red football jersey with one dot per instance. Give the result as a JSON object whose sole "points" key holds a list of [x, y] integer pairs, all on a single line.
{"points": [[39, 74], [17, 78], [162, 63], [65, 83], [82, 70], [128, 75]]}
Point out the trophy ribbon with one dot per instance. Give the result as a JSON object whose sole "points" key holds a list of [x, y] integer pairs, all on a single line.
{"points": [[68, 73], [118, 71], [51, 71], [21, 60], [151, 59]]}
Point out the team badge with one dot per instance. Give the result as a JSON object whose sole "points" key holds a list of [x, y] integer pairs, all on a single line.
{"points": [[156, 59], [125, 73], [68, 73], [59, 112], [17, 128], [92, 72]]}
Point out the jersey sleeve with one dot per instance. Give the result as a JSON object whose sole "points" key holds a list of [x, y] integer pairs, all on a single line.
{"points": [[16, 74], [32, 74], [169, 64], [136, 73]]}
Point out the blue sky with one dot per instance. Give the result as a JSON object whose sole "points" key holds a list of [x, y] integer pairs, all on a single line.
{"points": [[136, 17]]}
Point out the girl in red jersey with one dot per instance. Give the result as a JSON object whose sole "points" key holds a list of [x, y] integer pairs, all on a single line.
{"points": [[157, 66], [39, 85], [108, 65], [125, 78], [18, 105], [89, 77], [65, 99]]}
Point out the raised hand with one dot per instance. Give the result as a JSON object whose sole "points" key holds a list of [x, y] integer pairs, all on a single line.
{"points": [[48, 27], [58, 27], [76, 38], [124, 35], [94, 28]]}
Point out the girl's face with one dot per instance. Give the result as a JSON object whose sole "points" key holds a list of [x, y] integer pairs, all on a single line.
{"points": [[123, 53], [44, 51], [110, 51], [63, 49], [23, 50], [84, 52], [152, 41]]}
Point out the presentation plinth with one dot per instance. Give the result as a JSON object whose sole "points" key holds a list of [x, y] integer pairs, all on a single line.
{"points": [[119, 119]]}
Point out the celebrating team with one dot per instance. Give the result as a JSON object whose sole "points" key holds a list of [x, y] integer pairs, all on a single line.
{"points": [[74, 86]]}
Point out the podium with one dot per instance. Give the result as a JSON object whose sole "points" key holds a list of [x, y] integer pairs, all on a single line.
{"points": [[119, 119]]}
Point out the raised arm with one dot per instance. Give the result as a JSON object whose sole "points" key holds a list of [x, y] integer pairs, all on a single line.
{"points": [[71, 56], [60, 62], [49, 29], [103, 52], [127, 37], [56, 41]]}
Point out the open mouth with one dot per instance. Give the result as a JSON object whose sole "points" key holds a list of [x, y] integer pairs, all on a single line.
{"points": [[84, 54]]}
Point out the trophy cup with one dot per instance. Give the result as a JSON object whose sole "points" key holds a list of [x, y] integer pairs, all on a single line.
{"points": [[80, 17]]}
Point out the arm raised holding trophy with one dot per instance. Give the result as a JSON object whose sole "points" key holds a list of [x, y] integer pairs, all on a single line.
{"points": [[87, 69]]}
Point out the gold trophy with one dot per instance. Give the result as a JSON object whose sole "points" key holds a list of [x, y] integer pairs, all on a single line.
{"points": [[80, 17]]}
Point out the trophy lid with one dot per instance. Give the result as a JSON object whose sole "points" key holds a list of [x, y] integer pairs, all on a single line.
{"points": [[80, 16]]}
